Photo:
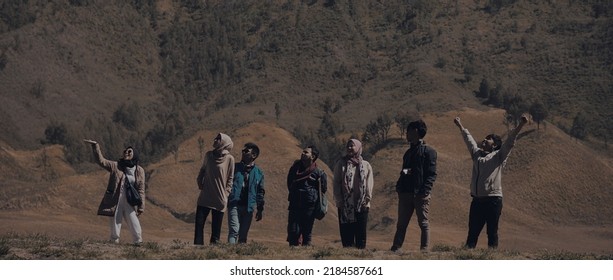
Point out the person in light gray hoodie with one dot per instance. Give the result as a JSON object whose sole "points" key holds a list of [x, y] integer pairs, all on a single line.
{"points": [[485, 187]]}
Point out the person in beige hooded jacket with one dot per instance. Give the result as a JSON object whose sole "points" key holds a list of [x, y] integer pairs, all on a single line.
{"points": [[215, 183]]}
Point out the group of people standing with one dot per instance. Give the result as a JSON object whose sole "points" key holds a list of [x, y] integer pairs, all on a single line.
{"points": [[238, 189]]}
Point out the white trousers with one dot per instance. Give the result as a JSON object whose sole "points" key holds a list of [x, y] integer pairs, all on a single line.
{"points": [[127, 212]]}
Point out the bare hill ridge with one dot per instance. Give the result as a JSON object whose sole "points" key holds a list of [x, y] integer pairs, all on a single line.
{"points": [[546, 205]]}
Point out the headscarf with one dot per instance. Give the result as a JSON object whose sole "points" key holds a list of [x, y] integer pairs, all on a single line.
{"points": [[222, 148], [355, 160], [123, 163]]}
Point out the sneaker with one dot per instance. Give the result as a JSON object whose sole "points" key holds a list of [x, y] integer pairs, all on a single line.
{"points": [[394, 248], [114, 241], [138, 243]]}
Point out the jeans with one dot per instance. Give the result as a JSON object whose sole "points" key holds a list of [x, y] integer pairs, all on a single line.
{"points": [[486, 210], [354, 234], [407, 204], [201, 214], [239, 222]]}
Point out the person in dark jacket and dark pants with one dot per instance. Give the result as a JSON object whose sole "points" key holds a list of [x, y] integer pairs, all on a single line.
{"points": [[303, 180], [414, 186]]}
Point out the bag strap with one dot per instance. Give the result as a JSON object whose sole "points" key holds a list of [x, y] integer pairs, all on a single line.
{"points": [[127, 181], [321, 203]]}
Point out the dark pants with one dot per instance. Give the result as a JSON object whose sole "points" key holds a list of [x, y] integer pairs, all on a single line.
{"points": [[407, 204], [483, 211], [300, 224], [354, 234], [201, 214]]}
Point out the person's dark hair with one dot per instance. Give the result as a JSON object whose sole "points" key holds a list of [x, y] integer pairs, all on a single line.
{"points": [[497, 140], [314, 151], [254, 149], [421, 127]]}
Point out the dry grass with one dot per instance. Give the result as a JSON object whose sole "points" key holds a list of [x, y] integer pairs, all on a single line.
{"points": [[41, 247]]}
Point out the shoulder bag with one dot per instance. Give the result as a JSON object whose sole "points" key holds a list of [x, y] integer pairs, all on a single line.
{"points": [[132, 194], [321, 207]]}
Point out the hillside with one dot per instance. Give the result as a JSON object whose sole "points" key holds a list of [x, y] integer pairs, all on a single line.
{"points": [[162, 74], [546, 207], [155, 73]]}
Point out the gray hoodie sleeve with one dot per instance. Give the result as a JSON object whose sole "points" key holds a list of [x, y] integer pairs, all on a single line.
{"points": [[473, 147], [508, 144]]}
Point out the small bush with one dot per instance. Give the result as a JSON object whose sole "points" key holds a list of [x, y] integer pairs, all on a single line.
{"points": [[74, 243], [474, 254], [55, 133], [214, 255], [152, 246], [440, 62], [188, 255], [178, 244], [251, 249], [79, 3], [443, 248], [563, 255], [38, 89], [4, 247], [322, 253], [3, 61], [135, 253], [361, 254], [16, 13], [128, 115]]}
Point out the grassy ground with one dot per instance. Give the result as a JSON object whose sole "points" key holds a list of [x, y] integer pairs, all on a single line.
{"points": [[42, 247]]}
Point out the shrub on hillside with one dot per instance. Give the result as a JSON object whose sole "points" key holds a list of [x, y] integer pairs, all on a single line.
{"points": [[539, 113], [3, 61], [38, 89], [579, 129], [403, 119], [128, 115], [494, 6], [377, 131], [484, 89], [79, 3], [495, 96], [514, 106], [55, 133], [16, 13]]}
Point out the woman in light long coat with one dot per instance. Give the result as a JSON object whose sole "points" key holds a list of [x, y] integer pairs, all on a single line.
{"points": [[114, 203]]}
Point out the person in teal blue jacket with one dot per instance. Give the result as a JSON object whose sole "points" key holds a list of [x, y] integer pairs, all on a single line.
{"points": [[246, 196]]}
